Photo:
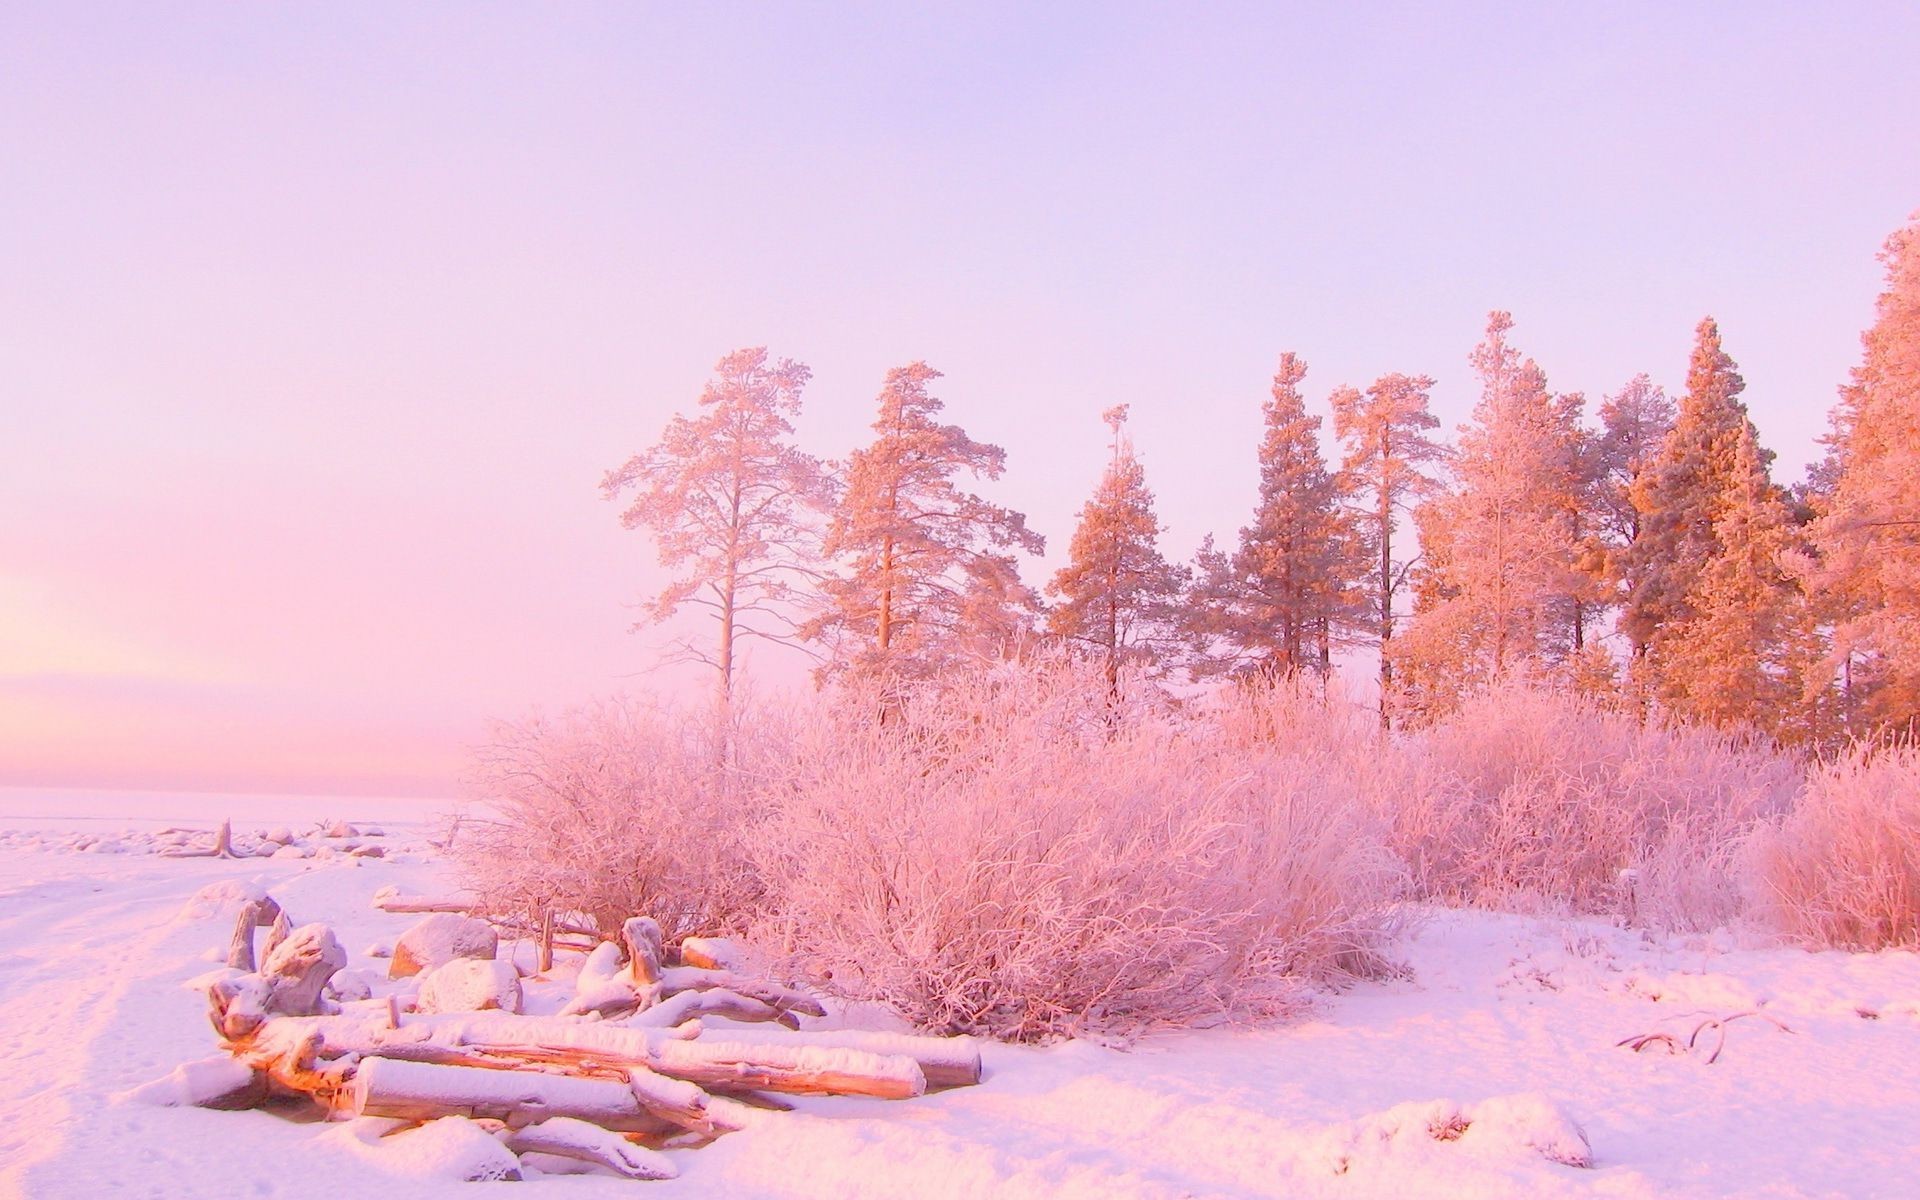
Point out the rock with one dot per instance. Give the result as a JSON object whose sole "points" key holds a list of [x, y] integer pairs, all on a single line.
{"points": [[440, 939], [280, 834], [352, 985], [470, 985], [340, 829]]}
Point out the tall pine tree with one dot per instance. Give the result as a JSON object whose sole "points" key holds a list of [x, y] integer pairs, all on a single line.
{"points": [[1275, 604], [1634, 423], [1680, 497], [1736, 658], [1501, 586], [927, 574], [1117, 596], [1867, 535], [733, 504], [1388, 464]]}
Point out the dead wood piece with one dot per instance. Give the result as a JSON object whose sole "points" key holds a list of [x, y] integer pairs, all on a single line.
{"points": [[682, 1006], [945, 1061], [672, 1100], [643, 943], [222, 846], [415, 1091], [684, 979], [714, 954], [421, 904], [277, 932], [298, 967], [799, 1070], [569, 1137]]}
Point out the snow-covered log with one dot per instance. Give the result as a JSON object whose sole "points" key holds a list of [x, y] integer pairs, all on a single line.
{"points": [[684, 1006], [799, 1070], [415, 1091], [945, 1061], [716, 954], [685, 979], [567, 1137]]}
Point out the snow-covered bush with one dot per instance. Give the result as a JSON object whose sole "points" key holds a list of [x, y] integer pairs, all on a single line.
{"points": [[1005, 854], [619, 809], [1526, 795], [1843, 868]]}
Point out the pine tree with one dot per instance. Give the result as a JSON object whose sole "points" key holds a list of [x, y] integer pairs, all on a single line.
{"points": [[1501, 587], [1634, 422], [1274, 605], [928, 575], [1387, 465], [1117, 595], [1867, 535], [731, 500], [1680, 497], [1736, 659]]}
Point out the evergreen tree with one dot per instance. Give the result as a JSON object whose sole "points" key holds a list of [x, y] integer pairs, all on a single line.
{"points": [[1500, 586], [1867, 535], [1681, 496], [1736, 659], [1117, 595], [927, 571], [1275, 603], [1389, 457], [731, 500], [1634, 423]]}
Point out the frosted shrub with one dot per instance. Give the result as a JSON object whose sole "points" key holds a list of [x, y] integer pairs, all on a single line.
{"points": [[616, 810], [1843, 868], [1002, 855], [1526, 795]]}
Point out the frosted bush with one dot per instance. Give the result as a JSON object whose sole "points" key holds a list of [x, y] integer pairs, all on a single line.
{"points": [[1843, 868], [1001, 854], [616, 810], [1525, 796]]}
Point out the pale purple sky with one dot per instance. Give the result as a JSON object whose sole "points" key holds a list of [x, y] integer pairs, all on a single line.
{"points": [[319, 324]]}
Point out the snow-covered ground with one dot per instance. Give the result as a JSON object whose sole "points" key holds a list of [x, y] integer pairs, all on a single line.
{"points": [[1474, 1075]]}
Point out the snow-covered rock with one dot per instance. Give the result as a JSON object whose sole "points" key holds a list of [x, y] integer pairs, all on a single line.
{"points": [[453, 1149], [470, 985], [440, 939]]}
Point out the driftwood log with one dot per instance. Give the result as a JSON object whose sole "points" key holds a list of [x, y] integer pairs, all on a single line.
{"points": [[628, 1065]]}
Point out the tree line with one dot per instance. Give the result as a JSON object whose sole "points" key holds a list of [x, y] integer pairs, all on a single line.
{"points": [[1647, 556]]}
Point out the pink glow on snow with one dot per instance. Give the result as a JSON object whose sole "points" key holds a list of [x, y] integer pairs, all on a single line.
{"points": [[319, 328]]}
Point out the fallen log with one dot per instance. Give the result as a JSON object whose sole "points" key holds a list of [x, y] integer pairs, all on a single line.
{"points": [[684, 1006], [797, 1070], [415, 1091], [498, 1040], [685, 979], [945, 1061]]}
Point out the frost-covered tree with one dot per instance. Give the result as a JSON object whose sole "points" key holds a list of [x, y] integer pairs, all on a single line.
{"points": [[1501, 585], [1867, 534], [1274, 604], [1680, 497], [1736, 658], [733, 506], [1389, 458], [1634, 422], [1117, 595], [926, 570]]}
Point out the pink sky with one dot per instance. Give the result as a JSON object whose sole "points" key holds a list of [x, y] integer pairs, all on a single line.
{"points": [[320, 325]]}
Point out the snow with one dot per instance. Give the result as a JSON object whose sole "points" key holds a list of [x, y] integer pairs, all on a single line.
{"points": [[1486, 1069]]}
